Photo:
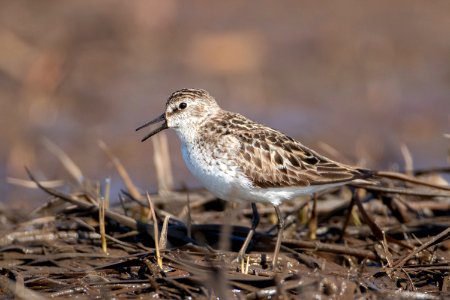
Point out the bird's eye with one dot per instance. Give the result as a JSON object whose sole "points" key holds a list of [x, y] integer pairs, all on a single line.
{"points": [[182, 105]]}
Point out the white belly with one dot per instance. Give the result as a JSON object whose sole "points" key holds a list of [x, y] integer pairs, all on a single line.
{"points": [[227, 183], [212, 175]]}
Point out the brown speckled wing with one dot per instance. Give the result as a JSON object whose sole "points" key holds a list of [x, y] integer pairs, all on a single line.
{"points": [[271, 159]]}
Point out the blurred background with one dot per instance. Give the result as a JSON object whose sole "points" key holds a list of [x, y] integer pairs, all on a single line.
{"points": [[362, 78]]}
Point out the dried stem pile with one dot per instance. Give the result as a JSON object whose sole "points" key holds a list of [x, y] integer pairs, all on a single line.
{"points": [[388, 240]]}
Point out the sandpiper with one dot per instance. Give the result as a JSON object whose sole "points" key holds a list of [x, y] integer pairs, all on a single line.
{"points": [[240, 160]]}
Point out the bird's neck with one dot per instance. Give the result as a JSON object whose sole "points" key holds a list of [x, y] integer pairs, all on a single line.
{"points": [[189, 133], [186, 135]]}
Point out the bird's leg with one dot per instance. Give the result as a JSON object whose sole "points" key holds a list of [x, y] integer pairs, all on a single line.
{"points": [[347, 217], [255, 222], [279, 236]]}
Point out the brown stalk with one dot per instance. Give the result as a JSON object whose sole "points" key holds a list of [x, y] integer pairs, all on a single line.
{"points": [[387, 253], [66, 161], [332, 248], [107, 192], [312, 224], [407, 157], [132, 189], [163, 238], [129, 222], [161, 158], [436, 239], [31, 185], [155, 232], [377, 232], [101, 215]]}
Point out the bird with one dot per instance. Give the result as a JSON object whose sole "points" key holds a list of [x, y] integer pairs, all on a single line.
{"points": [[238, 159]]}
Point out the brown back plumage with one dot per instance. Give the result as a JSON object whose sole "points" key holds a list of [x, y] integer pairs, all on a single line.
{"points": [[270, 159]]}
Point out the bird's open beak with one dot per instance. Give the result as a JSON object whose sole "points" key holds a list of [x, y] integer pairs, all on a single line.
{"points": [[161, 118]]}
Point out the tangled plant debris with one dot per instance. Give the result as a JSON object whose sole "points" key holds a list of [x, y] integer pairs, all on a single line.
{"points": [[386, 240]]}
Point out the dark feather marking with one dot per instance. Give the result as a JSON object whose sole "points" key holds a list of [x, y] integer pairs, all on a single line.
{"points": [[329, 169], [247, 157], [278, 158], [311, 160], [293, 161], [265, 146], [272, 138], [260, 145], [257, 162], [250, 149]]}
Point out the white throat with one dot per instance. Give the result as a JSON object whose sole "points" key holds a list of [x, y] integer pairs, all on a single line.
{"points": [[186, 134]]}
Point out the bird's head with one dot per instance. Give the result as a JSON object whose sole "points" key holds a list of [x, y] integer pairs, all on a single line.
{"points": [[186, 110]]}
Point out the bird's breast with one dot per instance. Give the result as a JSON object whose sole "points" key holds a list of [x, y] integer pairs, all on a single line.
{"points": [[219, 175]]}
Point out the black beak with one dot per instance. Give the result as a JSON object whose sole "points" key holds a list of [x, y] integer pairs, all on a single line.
{"points": [[161, 118]]}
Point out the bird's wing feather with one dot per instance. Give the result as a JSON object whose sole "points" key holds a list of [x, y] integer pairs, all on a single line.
{"points": [[270, 159]]}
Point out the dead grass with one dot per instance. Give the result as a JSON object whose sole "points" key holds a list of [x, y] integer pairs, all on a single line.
{"points": [[78, 245]]}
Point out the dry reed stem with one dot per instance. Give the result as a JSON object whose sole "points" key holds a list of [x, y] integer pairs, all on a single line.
{"points": [[31, 185], [387, 253], [407, 157], [155, 232], [331, 248], [127, 221], [436, 239], [161, 158], [66, 161], [377, 232], [103, 202], [226, 228], [132, 189], [312, 224], [107, 192], [303, 214], [247, 264], [355, 217], [163, 238], [101, 215]]}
